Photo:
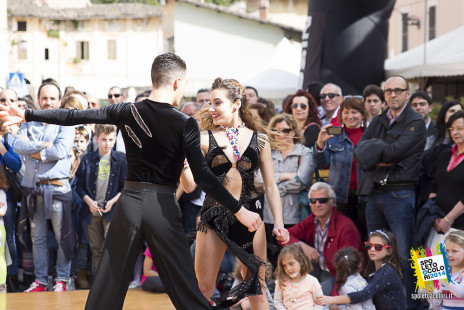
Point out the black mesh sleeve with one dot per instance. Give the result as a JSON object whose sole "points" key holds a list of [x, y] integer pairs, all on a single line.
{"points": [[66, 117]]}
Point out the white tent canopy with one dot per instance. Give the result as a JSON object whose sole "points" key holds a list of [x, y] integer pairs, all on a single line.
{"points": [[444, 57], [281, 77]]}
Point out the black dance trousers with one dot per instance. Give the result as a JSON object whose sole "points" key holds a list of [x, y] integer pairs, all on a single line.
{"points": [[148, 212]]}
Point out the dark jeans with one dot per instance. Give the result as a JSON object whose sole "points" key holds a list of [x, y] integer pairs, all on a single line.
{"points": [[153, 284], [9, 219], [146, 212], [325, 278], [189, 215], [355, 209]]}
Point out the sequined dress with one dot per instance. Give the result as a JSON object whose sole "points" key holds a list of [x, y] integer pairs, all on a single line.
{"points": [[215, 216]]}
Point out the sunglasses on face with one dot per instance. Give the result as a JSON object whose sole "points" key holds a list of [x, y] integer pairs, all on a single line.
{"points": [[115, 96], [301, 105], [321, 200], [330, 95], [377, 246], [285, 131], [4, 100]]}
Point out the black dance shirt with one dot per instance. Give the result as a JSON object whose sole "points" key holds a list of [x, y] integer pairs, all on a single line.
{"points": [[157, 138]]}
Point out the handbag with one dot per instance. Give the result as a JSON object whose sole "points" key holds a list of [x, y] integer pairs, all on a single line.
{"points": [[14, 178]]}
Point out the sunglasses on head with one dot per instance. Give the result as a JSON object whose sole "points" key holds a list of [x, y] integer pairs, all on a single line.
{"points": [[301, 105], [377, 246], [284, 131], [115, 96], [330, 95], [321, 200]]}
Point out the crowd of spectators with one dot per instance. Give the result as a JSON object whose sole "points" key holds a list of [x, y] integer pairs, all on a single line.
{"points": [[386, 158]]}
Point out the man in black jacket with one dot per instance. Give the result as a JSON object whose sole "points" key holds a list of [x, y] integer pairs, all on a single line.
{"points": [[390, 187]]}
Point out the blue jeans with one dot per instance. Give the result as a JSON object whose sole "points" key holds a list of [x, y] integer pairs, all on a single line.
{"points": [[153, 284], [9, 219], [39, 228], [394, 211]]}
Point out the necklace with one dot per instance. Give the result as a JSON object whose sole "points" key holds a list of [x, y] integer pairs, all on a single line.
{"points": [[232, 135], [292, 292]]}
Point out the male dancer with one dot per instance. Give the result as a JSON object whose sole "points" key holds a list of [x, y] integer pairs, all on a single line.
{"points": [[157, 139]]}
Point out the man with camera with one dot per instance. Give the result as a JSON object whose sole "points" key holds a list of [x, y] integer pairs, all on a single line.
{"points": [[331, 98]]}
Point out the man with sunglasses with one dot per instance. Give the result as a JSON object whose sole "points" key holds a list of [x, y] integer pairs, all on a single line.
{"points": [[115, 95], [323, 233], [389, 184], [331, 98]]}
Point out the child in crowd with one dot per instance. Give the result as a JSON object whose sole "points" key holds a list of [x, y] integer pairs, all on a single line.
{"points": [[348, 262], [454, 245], [384, 281], [244, 304], [151, 281], [295, 288], [82, 139], [3, 208], [100, 180]]}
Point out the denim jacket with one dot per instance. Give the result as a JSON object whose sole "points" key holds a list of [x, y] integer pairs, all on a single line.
{"points": [[338, 153], [86, 183]]}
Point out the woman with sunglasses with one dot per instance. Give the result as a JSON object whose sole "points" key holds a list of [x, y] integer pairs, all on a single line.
{"points": [[449, 179], [337, 151], [235, 148], [384, 280], [293, 168], [303, 107]]}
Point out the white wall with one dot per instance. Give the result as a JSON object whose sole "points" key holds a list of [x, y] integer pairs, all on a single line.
{"points": [[4, 51], [220, 45], [138, 43]]}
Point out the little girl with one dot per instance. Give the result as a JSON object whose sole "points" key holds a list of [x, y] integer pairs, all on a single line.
{"points": [[3, 208], [384, 281], [348, 261], [454, 245], [295, 288]]}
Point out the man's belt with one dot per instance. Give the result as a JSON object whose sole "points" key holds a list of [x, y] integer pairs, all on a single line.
{"points": [[51, 182], [393, 187]]}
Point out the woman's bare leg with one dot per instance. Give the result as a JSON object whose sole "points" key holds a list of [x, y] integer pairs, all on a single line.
{"points": [[259, 302], [209, 252]]}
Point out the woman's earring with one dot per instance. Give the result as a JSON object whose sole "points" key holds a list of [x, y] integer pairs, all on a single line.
{"points": [[235, 109]]}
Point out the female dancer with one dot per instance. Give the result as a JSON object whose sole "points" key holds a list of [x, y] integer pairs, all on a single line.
{"points": [[234, 151]]}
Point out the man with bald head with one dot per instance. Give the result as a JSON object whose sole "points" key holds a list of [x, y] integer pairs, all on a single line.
{"points": [[190, 108], [389, 183], [331, 98]]}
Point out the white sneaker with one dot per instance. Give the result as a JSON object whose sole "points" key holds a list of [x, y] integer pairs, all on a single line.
{"points": [[134, 284], [59, 286]]}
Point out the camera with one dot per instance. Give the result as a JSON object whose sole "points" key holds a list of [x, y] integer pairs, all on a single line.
{"points": [[334, 130]]}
